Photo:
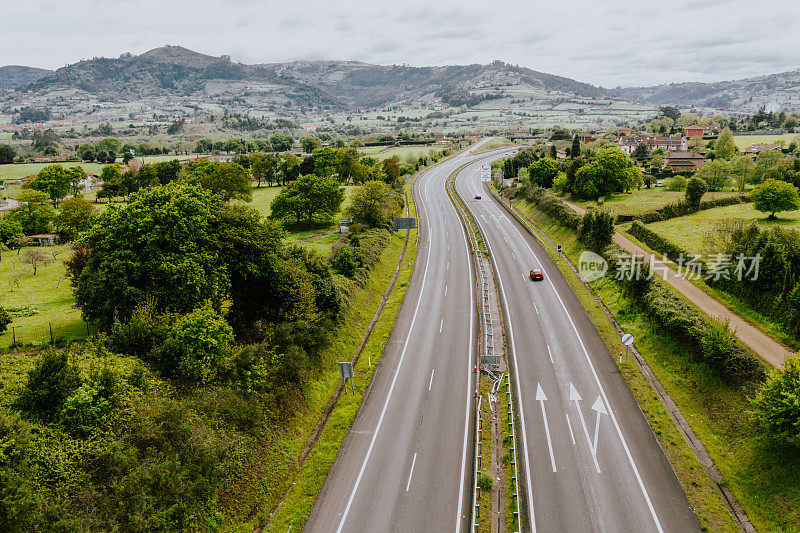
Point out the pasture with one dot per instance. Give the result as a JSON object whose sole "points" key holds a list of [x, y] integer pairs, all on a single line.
{"points": [[689, 231]]}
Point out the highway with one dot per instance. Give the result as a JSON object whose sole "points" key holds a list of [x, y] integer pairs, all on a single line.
{"points": [[590, 458], [406, 463]]}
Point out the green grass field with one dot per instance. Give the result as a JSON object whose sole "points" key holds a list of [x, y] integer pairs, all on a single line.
{"points": [[379, 153], [645, 200], [689, 231], [743, 141], [48, 291]]}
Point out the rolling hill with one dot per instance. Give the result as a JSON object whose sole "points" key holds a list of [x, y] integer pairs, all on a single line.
{"points": [[774, 91], [13, 76]]}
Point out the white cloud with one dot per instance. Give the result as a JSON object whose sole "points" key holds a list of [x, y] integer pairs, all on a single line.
{"points": [[610, 42]]}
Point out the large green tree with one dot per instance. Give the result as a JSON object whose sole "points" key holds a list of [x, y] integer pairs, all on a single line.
{"points": [[7, 154], [716, 173], [34, 214], [308, 199], [281, 142], [54, 180], [608, 171], [543, 172], [725, 147], [310, 144], [774, 196], [76, 216], [227, 179], [325, 161], [160, 246], [374, 204], [777, 405], [264, 168]]}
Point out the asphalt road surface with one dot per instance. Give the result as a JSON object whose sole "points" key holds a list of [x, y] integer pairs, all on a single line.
{"points": [[406, 464], [590, 457]]}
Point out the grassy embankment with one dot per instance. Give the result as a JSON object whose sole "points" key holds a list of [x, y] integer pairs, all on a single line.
{"points": [[306, 484], [766, 482], [494, 144]]}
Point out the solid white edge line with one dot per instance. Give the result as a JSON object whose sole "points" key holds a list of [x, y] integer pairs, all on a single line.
{"points": [[469, 377], [602, 392], [411, 472], [391, 388]]}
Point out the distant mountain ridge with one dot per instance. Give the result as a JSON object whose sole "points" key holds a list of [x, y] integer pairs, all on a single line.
{"points": [[773, 91], [13, 76], [172, 80], [173, 76]]}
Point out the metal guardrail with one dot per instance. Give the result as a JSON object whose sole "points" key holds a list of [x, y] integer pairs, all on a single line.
{"points": [[515, 477]]}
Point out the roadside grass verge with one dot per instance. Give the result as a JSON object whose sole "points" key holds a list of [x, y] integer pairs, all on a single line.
{"points": [[699, 395], [306, 484]]}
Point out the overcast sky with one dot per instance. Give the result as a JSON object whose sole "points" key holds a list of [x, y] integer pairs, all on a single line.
{"points": [[604, 42]]}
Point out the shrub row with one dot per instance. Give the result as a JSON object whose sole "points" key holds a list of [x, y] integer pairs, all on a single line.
{"points": [[549, 204], [679, 209], [655, 241], [712, 341]]}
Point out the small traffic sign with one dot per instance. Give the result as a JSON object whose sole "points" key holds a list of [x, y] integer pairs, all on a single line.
{"points": [[558, 247], [627, 339]]}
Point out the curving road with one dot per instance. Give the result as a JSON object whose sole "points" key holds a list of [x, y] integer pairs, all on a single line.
{"points": [[590, 457], [406, 463]]}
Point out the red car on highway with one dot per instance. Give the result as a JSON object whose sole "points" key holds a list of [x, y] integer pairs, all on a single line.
{"points": [[537, 274]]}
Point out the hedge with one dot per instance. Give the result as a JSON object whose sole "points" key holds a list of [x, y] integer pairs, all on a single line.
{"points": [[656, 242], [679, 209], [712, 341], [551, 205]]}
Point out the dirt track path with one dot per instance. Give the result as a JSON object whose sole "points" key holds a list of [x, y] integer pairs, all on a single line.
{"points": [[768, 348]]}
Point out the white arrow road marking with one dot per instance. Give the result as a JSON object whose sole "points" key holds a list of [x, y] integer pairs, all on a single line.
{"points": [[601, 409], [575, 397], [541, 398]]}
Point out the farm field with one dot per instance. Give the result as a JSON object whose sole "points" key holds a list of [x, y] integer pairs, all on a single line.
{"points": [[643, 200], [743, 141], [49, 292], [379, 153], [689, 231]]}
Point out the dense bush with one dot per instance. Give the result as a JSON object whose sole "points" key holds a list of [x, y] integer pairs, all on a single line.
{"points": [[5, 319], [50, 382], [656, 242], [695, 189], [596, 230], [548, 204], [777, 405]]}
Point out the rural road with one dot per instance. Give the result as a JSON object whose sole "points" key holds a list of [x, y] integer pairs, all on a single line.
{"points": [[768, 348], [406, 462], [590, 457]]}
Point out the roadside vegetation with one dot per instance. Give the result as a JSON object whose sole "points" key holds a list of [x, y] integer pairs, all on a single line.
{"points": [[210, 349]]}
